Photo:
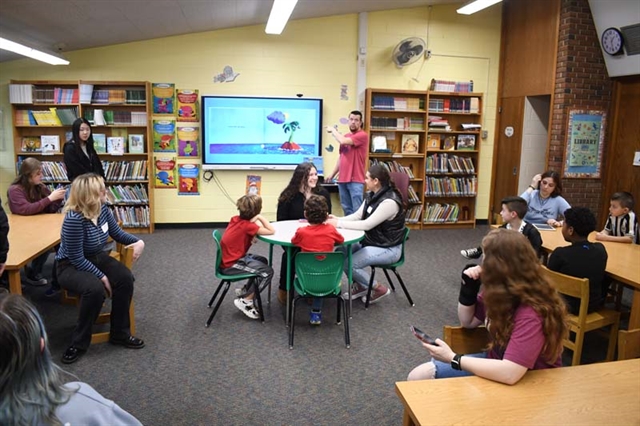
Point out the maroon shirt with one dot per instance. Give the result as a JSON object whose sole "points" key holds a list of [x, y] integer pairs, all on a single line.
{"points": [[19, 202]]}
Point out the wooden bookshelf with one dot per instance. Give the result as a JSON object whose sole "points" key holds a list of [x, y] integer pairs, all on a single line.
{"points": [[401, 117], [127, 110], [452, 159]]}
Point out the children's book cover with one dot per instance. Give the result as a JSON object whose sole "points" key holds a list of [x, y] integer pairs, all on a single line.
{"points": [[165, 172], [187, 105], [188, 175], [449, 143], [466, 142], [50, 144], [115, 145], [136, 144], [164, 138], [31, 144], [100, 143], [188, 141], [254, 184], [163, 98]]}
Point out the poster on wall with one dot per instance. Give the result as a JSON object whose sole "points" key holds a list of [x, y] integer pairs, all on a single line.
{"points": [[188, 175], [165, 172], [585, 140], [187, 105], [163, 98], [164, 138], [254, 184], [188, 141]]}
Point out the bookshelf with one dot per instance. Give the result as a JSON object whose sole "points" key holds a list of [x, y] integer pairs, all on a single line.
{"points": [[399, 117], [452, 159], [44, 111]]}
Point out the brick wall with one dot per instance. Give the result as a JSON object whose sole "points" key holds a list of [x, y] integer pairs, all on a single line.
{"points": [[581, 81]]}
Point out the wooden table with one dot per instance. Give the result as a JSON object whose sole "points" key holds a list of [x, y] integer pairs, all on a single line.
{"points": [[593, 394], [623, 265], [29, 237]]}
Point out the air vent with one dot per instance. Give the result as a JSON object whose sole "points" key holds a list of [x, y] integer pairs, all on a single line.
{"points": [[631, 34]]}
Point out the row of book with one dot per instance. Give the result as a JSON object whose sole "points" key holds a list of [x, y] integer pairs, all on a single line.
{"points": [[115, 145], [451, 86], [132, 217], [397, 123], [412, 195], [30, 94], [450, 186], [413, 214], [393, 166], [118, 171], [445, 163], [50, 117], [468, 105], [127, 194], [441, 213], [395, 103], [99, 117], [119, 96]]}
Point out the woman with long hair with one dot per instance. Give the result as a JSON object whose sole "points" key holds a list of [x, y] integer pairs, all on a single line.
{"points": [[524, 315], [28, 196], [303, 184], [32, 390], [80, 156], [544, 199], [381, 216], [85, 268]]}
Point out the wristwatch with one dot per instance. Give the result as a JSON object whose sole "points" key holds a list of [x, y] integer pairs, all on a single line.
{"points": [[455, 362]]}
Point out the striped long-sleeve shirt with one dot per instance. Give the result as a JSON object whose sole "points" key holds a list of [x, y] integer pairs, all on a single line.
{"points": [[80, 238]]}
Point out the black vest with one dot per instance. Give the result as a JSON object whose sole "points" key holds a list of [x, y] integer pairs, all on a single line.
{"points": [[390, 232]]}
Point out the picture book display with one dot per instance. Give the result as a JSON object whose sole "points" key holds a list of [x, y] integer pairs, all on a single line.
{"points": [[31, 144], [188, 141], [187, 105], [164, 139], [50, 144], [100, 143], [434, 141], [410, 144], [188, 175], [136, 144], [115, 145], [165, 172], [466, 142], [163, 98], [253, 185], [449, 143]]}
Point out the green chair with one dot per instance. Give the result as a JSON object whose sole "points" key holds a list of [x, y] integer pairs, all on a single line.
{"points": [[392, 267], [226, 281], [318, 275]]}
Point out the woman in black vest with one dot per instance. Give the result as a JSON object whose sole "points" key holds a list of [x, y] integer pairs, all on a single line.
{"points": [[381, 216], [80, 156]]}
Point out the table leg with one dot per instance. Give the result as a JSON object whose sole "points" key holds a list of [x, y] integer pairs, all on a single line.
{"points": [[270, 264], [289, 289], [349, 277], [629, 340], [15, 285], [406, 418]]}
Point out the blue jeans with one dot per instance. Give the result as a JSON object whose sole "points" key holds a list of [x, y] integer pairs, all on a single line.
{"points": [[350, 196], [363, 257], [445, 371]]}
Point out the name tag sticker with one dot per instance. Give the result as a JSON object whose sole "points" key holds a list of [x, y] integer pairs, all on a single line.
{"points": [[370, 209], [105, 228]]}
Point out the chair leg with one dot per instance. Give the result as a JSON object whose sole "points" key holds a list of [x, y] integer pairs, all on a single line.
{"points": [[373, 274], [258, 299], [404, 288], [577, 351], [292, 321], [613, 337], [215, 293], [347, 338], [224, 292], [338, 320], [389, 280]]}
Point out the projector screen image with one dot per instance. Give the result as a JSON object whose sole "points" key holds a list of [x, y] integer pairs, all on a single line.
{"points": [[251, 132]]}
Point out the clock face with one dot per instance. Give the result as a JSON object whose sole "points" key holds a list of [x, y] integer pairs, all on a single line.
{"points": [[612, 41]]}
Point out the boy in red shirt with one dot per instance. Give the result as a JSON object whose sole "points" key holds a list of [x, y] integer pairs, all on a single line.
{"points": [[317, 237], [235, 244]]}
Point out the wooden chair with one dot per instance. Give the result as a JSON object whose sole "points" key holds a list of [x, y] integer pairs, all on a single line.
{"points": [[466, 340], [583, 322], [125, 255]]}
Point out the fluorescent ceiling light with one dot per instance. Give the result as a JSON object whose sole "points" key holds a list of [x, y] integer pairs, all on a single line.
{"points": [[280, 13], [475, 6], [32, 53]]}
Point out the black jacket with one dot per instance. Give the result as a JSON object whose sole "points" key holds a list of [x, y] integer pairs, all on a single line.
{"points": [[4, 235], [390, 232], [77, 163]]}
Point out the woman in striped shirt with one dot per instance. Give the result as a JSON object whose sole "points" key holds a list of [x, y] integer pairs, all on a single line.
{"points": [[85, 268]]}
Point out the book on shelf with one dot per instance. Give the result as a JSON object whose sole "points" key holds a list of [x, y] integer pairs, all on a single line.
{"points": [[470, 126], [379, 144], [30, 144], [449, 143], [434, 141], [410, 143], [466, 142], [50, 144], [136, 144], [100, 143], [115, 145]]}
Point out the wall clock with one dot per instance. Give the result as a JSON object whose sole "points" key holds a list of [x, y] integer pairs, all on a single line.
{"points": [[612, 41]]}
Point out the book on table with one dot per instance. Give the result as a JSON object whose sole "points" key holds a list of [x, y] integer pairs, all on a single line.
{"points": [[543, 227]]}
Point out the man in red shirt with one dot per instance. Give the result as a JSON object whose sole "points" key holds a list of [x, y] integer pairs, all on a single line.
{"points": [[351, 165]]}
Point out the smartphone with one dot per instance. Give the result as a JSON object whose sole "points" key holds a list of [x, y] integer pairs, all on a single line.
{"points": [[423, 336]]}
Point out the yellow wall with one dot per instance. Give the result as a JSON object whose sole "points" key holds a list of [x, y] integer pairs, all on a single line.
{"points": [[314, 57]]}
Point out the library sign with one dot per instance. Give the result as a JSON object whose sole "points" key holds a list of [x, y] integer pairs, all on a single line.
{"points": [[585, 140]]}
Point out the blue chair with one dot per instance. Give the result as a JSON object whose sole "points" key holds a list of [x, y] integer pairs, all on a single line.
{"points": [[226, 281], [318, 275], [392, 267]]}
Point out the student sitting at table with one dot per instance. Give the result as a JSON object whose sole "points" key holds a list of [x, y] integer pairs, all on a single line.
{"points": [[524, 315], [236, 259], [32, 386], [86, 269], [381, 217], [28, 196], [545, 201], [303, 184], [513, 210], [317, 237], [582, 259], [622, 224]]}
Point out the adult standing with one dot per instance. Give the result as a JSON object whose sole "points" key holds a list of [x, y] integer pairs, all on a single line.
{"points": [[381, 217], [544, 199], [303, 184], [351, 165], [80, 156]]}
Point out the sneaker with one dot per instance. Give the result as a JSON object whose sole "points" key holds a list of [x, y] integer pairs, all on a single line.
{"points": [[473, 253], [52, 292], [357, 291], [377, 294], [247, 308], [315, 318], [240, 292], [37, 281]]}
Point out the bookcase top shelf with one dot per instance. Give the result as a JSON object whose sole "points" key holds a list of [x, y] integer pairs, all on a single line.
{"points": [[457, 94]]}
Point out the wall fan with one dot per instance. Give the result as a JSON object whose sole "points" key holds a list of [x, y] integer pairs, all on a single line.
{"points": [[408, 51]]}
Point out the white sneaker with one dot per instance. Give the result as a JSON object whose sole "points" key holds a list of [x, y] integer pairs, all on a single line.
{"points": [[473, 253], [247, 308]]}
